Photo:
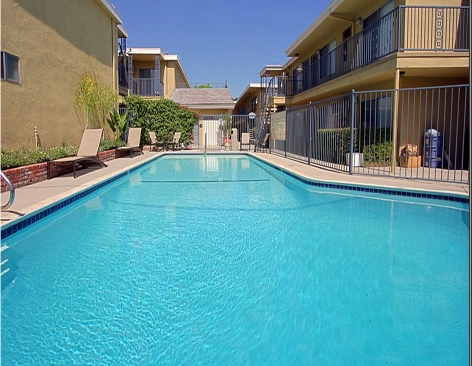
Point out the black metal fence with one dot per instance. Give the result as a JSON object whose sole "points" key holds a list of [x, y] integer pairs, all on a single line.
{"points": [[419, 133]]}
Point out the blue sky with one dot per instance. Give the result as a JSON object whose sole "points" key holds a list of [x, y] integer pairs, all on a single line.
{"points": [[220, 40]]}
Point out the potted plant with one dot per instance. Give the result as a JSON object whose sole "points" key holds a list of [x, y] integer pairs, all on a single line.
{"points": [[357, 156], [226, 129]]}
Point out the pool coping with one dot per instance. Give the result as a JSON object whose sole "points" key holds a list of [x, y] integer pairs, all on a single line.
{"points": [[43, 209]]}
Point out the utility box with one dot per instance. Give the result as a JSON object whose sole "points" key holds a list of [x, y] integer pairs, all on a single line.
{"points": [[234, 139]]}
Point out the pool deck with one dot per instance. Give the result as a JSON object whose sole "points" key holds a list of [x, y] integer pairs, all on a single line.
{"points": [[32, 198]]}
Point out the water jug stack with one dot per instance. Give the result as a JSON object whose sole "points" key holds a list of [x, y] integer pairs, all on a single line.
{"points": [[433, 149]]}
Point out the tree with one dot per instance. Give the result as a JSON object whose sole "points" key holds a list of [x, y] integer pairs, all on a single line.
{"points": [[163, 116], [94, 99], [203, 86]]}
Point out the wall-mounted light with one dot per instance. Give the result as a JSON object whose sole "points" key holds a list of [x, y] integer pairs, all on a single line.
{"points": [[402, 74], [358, 21], [297, 54]]}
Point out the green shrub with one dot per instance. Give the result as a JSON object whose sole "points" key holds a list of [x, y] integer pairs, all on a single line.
{"points": [[378, 155], [332, 144], [24, 156], [110, 145], [163, 116]]}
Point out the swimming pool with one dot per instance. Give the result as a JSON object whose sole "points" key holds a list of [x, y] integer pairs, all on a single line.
{"points": [[225, 260]]}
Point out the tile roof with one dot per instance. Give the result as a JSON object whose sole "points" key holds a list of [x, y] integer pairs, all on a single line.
{"points": [[202, 96]]}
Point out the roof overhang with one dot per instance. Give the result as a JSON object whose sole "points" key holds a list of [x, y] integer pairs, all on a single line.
{"points": [[251, 86], [321, 30], [143, 51], [110, 9], [271, 70], [122, 32]]}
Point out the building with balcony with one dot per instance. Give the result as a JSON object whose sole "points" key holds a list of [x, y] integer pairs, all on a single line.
{"points": [[377, 44], [46, 48], [153, 73], [372, 45], [418, 48], [249, 101]]}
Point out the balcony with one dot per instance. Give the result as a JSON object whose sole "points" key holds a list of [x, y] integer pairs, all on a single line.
{"points": [[148, 87], [406, 28], [122, 82]]}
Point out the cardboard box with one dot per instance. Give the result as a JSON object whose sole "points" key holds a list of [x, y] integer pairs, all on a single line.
{"points": [[410, 161]]}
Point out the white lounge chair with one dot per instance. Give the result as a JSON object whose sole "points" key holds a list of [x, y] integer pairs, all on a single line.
{"points": [[176, 141], [245, 141]]}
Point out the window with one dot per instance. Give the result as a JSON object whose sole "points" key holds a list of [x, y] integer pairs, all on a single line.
{"points": [[328, 60], [346, 35], [377, 113], [10, 67], [314, 70], [306, 71], [297, 79]]}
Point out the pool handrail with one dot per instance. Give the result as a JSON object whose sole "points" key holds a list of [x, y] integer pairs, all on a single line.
{"points": [[11, 188]]}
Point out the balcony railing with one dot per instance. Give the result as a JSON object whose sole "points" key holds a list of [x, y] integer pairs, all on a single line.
{"points": [[147, 87], [201, 85], [406, 28], [122, 81]]}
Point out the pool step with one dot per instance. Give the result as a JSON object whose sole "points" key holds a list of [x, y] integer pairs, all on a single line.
{"points": [[4, 261], [6, 274]]}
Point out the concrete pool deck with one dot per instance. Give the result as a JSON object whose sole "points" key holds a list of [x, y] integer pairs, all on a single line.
{"points": [[32, 198]]}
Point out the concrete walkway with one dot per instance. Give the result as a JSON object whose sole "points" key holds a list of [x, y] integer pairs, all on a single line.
{"points": [[36, 196]]}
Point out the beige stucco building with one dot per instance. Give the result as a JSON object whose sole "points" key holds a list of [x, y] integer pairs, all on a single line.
{"points": [[48, 46], [413, 46], [249, 101], [377, 45], [153, 73]]}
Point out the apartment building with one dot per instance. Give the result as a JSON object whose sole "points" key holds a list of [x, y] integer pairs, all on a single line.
{"points": [[379, 44], [47, 47], [249, 101], [153, 73], [377, 47]]}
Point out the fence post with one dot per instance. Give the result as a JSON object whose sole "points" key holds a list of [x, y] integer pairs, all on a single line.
{"points": [[285, 139], [395, 120], [351, 133], [310, 140]]}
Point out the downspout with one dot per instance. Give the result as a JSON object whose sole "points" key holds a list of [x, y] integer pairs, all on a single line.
{"points": [[395, 119], [167, 81]]}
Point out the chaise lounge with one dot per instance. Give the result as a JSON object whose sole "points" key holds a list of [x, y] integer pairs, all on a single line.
{"points": [[176, 141], [245, 141], [88, 152], [133, 141], [262, 145]]}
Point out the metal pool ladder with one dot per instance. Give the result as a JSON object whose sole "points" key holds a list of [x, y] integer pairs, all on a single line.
{"points": [[12, 191]]}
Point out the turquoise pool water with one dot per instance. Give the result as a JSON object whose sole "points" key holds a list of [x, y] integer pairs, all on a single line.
{"points": [[222, 260]]}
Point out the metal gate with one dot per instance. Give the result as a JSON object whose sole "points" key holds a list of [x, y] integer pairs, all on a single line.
{"points": [[208, 135]]}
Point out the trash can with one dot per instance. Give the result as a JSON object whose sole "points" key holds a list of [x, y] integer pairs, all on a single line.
{"points": [[433, 149], [234, 139]]}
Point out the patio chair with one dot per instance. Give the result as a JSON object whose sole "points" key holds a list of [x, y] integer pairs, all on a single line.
{"points": [[88, 152], [262, 145], [158, 145], [176, 141], [133, 141], [245, 141]]}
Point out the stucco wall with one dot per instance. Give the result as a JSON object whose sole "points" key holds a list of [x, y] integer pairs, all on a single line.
{"points": [[169, 78], [56, 42]]}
